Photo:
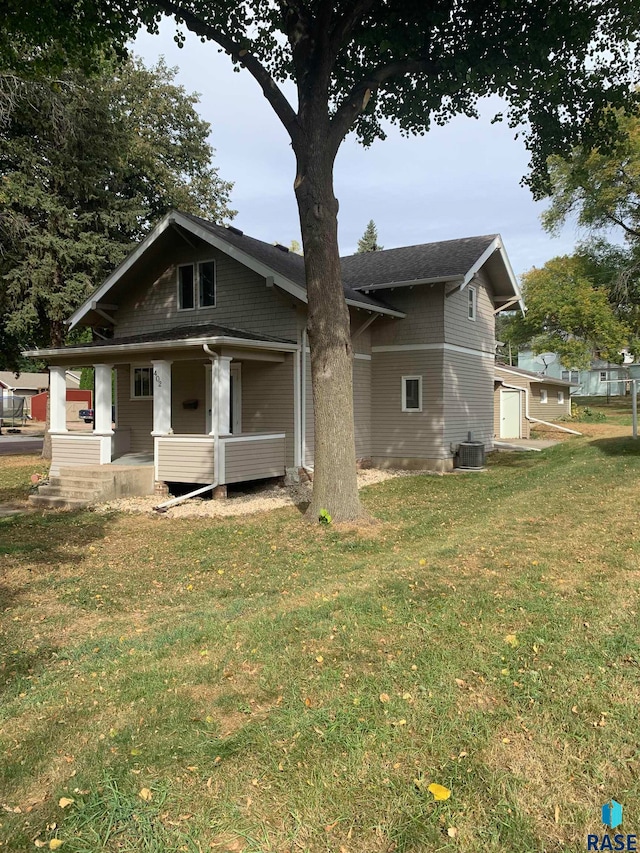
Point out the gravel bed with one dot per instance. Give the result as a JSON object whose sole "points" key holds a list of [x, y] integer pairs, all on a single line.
{"points": [[257, 499]]}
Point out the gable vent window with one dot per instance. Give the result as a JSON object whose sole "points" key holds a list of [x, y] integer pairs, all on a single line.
{"points": [[412, 393], [197, 285], [473, 303]]}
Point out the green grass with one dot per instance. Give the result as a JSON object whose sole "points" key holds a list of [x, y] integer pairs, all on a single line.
{"points": [[616, 411], [280, 687]]}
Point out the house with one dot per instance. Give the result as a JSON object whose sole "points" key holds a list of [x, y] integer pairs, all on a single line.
{"points": [[523, 398], [205, 328], [601, 379], [31, 386]]}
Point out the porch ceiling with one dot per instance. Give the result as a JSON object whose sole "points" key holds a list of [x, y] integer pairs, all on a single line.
{"points": [[178, 337]]}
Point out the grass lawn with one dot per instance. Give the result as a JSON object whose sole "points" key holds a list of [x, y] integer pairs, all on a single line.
{"points": [[257, 685]]}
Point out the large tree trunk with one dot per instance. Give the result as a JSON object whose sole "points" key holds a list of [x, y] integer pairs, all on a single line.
{"points": [[335, 487]]}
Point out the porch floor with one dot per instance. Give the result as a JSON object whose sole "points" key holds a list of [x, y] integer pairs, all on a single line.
{"points": [[133, 459]]}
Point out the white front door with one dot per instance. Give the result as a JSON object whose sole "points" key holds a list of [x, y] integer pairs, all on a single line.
{"points": [[509, 414], [235, 398]]}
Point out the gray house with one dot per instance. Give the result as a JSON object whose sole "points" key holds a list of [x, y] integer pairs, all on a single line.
{"points": [[601, 379], [205, 329]]}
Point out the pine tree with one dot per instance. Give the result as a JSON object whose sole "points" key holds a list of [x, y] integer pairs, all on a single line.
{"points": [[369, 240]]}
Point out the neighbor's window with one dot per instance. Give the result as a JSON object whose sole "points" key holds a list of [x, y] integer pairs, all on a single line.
{"points": [[197, 285], [543, 396], [412, 393], [142, 383], [571, 376], [561, 396], [473, 302], [603, 376]]}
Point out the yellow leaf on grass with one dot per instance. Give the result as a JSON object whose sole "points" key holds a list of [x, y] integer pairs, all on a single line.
{"points": [[439, 792], [384, 697], [511, 640], [55, 844], [145, 794], [452, 832], [63, 802]]}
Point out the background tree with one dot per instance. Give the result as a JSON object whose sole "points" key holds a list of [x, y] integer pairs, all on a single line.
{"points": [[567, 314], [369, 240], [84, 170], [358, 63]]}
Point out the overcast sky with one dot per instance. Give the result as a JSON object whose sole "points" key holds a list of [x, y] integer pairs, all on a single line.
{"points": [[459, 180]]}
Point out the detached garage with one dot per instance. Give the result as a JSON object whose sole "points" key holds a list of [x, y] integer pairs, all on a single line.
{"points": [[522, 398]]}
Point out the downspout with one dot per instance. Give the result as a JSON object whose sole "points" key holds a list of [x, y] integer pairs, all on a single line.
{"points": [[530, 417], [163, 507]]}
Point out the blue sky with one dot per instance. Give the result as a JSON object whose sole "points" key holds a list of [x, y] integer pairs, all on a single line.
{"points": [[456, 181]]}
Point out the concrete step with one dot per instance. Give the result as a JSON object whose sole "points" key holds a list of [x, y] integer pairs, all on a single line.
{"points": [[75, 483], [52, 502], [86, 493]]}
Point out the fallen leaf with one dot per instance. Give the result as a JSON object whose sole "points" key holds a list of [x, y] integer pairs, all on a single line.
{"points": [[556, 814], [319, 659], [439, 792], [63, 802], [145, 794], [55, 844], [511, 640], [384, 697], [452, 832]]}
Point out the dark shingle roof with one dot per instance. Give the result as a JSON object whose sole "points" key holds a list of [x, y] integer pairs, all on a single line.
{"points": [[435, 261], [428, 260], [186, 333]]}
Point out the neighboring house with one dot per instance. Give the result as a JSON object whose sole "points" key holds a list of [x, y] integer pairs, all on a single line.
{"points": [[601, 379], [205, 328], [523, 398], [30, 385]]}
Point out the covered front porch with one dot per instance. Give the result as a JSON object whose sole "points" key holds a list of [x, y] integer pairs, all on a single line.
{"points": [[214, 415]]}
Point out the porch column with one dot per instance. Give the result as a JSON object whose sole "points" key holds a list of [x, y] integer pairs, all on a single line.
{"points": [[57, 399], [103, 399], [161, 397], [220, 395]]}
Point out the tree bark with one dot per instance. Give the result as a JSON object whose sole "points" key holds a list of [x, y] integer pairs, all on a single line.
{"points": [[335, 487]]}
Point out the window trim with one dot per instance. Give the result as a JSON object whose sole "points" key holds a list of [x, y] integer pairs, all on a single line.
{"points": [[404, 393], [197, 284], [132, 385], [544, 397], [472, 303]]}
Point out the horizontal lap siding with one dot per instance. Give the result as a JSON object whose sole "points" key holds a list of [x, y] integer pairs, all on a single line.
{"points": [[135, 415], [254, 460], [476, 334], [362, 406], [552, 410], [243, 300], [188, 380], [267, 399], [468, 398], [424, 322], [75, 451], [182, 461], [398, 434]]}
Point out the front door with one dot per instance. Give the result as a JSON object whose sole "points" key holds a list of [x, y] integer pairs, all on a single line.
{"points": [[235, 399], [509, 414]]}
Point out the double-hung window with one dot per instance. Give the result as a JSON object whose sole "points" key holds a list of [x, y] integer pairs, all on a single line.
{"points": [[412, 393], [543, 396], [197, 285], [561, 396], [141, 383]]}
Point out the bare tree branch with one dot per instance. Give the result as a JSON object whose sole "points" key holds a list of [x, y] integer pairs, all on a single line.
{"points": [[270, 88]]}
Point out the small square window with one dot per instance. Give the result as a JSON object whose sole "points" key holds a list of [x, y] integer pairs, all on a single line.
{"points": [[473, 303], [142, 383], [543, 396], [412, 393], [561, 396]]}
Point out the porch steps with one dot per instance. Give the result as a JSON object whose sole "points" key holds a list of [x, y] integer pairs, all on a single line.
{"points": [[79, 486]]}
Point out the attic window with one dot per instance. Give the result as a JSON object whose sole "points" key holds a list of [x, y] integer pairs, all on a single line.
{"points": [[197, 286], [473, 302]]}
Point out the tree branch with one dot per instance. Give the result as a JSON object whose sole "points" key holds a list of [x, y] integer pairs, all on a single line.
{"points": [[345, 24], [633, 232], [357, 99], [270, 88]]}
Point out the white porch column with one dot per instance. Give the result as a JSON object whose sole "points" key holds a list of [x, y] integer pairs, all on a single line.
{"points": [[161, 397], [223, 400], [57, 399], [103, 399]]}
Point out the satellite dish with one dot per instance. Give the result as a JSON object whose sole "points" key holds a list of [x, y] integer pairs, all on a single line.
{"points": [[545, 359]]}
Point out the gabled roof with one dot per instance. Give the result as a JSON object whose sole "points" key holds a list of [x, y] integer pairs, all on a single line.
{"points": [[454, 261], [23, 381], [534, 377]]}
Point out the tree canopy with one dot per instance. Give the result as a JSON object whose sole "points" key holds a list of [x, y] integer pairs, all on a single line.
{"points": [[358, 64], [567, 313], [369, 240], [87, 163]]}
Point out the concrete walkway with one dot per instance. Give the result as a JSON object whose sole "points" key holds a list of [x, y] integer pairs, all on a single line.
{"points": [[524, 444]]}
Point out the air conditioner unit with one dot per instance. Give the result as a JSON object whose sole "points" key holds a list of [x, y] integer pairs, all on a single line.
{"points": [[471, 454]]}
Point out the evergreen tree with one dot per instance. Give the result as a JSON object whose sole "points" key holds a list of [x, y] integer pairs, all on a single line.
{"points": [[86, 165], [369, 240]]}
